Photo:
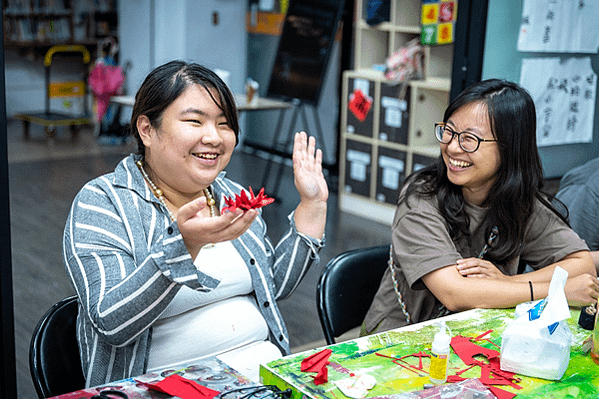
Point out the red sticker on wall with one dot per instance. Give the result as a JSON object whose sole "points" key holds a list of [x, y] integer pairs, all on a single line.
{"points": [[359, 104]]}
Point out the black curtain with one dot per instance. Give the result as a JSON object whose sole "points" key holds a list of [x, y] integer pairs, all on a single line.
{"points": [[8, 377], [469, 45]]}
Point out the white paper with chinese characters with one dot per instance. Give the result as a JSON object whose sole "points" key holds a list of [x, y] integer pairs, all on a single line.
{"points": [[559, 26], [564, 93]]}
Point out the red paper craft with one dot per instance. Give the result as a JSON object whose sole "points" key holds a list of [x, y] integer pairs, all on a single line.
{"points": [[466, 350], [317, 363], [183, 388], [359, 105], [243, 202]]}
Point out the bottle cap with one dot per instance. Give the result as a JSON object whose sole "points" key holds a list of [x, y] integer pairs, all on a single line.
{"points": [[441, 339], [587, 317]]}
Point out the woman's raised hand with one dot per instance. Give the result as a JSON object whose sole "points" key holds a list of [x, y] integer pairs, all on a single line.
{"points": [[310, 215], [307, 169], [198, 230]]}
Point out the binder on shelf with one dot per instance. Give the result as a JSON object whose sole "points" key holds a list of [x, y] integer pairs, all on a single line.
{"points": [[391, 172], [394, 116], [358, 168], [420, 161], [354, 125]]}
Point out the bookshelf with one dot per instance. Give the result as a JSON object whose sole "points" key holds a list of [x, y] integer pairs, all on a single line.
{"points": [[39, 23], [396, 137]]}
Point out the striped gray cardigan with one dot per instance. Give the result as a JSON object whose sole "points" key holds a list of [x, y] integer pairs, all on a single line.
{"points": [[127, 260]]}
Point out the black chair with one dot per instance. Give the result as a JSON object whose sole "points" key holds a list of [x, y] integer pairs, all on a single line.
{"points": [[54, 360], [347, 287]]}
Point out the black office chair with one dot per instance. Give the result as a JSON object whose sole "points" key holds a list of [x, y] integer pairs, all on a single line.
{"points": [[347, 287], [54, 360]]}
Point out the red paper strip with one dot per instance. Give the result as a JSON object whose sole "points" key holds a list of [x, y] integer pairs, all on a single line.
{"points": [[500, 393], [244, 203], [359, 105], [184, 388], [403, 363]]}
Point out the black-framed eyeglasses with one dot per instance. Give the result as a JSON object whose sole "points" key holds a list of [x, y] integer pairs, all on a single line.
{"points": [[468, 142]]}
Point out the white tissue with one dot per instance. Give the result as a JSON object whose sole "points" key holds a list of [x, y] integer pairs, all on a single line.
{"points": [[539, 345]]}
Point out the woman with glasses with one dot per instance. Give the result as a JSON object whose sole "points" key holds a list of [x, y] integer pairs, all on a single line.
{"points": [[466, 227]]}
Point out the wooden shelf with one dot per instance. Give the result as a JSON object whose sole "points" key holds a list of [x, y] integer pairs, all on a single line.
{"points": [[396, 138], [30, 27]]}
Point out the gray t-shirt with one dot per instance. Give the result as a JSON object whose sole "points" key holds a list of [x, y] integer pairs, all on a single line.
{"points": [[579, 191], [422, 244]]}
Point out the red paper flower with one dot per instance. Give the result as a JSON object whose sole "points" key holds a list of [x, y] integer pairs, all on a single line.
{"points": [[244, 203]]}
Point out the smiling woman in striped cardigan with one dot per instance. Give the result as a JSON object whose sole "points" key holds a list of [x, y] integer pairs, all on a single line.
{"points": [[164, 275]]}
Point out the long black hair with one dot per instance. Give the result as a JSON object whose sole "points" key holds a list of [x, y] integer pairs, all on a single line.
{"points": [[167, 82], [519, 181]]}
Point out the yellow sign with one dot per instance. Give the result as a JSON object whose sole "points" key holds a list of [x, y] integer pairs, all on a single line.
{"points": [[66, 89]]}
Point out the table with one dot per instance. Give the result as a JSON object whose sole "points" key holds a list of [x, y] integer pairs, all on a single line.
{"points": [[581, 379], [211, 372]]}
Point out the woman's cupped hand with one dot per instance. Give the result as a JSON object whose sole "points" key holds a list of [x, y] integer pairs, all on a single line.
{"points": [[198, 230]]}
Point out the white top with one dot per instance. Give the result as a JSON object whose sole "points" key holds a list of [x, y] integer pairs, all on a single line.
{"points": [[225, 321]]}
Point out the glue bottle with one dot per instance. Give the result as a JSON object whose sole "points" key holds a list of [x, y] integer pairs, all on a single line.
{"points": [[439, 355]]}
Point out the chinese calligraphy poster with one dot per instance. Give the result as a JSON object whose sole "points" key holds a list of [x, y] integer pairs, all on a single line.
{"points": [[564, 95], [559, 26]]}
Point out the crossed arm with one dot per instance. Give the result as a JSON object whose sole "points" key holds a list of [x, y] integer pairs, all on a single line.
{"points": [[476, 283]]}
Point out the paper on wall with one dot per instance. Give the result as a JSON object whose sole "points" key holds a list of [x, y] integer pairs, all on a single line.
{"points": [[559, 26], [564, 93]]}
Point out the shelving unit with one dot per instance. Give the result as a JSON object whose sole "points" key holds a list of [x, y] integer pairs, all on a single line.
{"points": [[396, 137], [40, 23]]}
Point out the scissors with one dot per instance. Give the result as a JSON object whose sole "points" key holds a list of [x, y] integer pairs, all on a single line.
{"points": [[110, 394]]}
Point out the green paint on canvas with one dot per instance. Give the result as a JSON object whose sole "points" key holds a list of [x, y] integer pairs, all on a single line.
{"points": [[359, 356]]}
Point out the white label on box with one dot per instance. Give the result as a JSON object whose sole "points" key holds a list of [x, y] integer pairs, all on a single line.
{"points": [[363, 85], [390, 102], [391, 169], [393, 110], [358, 162], [393, 117]]}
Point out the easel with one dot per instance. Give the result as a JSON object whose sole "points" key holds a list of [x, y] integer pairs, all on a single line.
{"points": [[299, 107]]}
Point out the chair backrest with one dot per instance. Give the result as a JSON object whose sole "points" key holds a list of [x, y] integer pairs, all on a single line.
{"points": [[347, 287], [54, 360]]}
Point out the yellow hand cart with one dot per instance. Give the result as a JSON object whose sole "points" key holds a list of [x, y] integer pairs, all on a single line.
{"points": [[51, 119]]}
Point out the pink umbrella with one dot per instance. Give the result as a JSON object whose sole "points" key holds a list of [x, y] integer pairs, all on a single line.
{"points": [[105, 81]]}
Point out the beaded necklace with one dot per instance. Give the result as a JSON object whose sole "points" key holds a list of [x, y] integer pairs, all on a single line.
{"points": [[160, 195]]}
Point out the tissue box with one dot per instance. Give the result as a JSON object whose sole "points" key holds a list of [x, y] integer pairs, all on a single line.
{"points": [[536, 352]]}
